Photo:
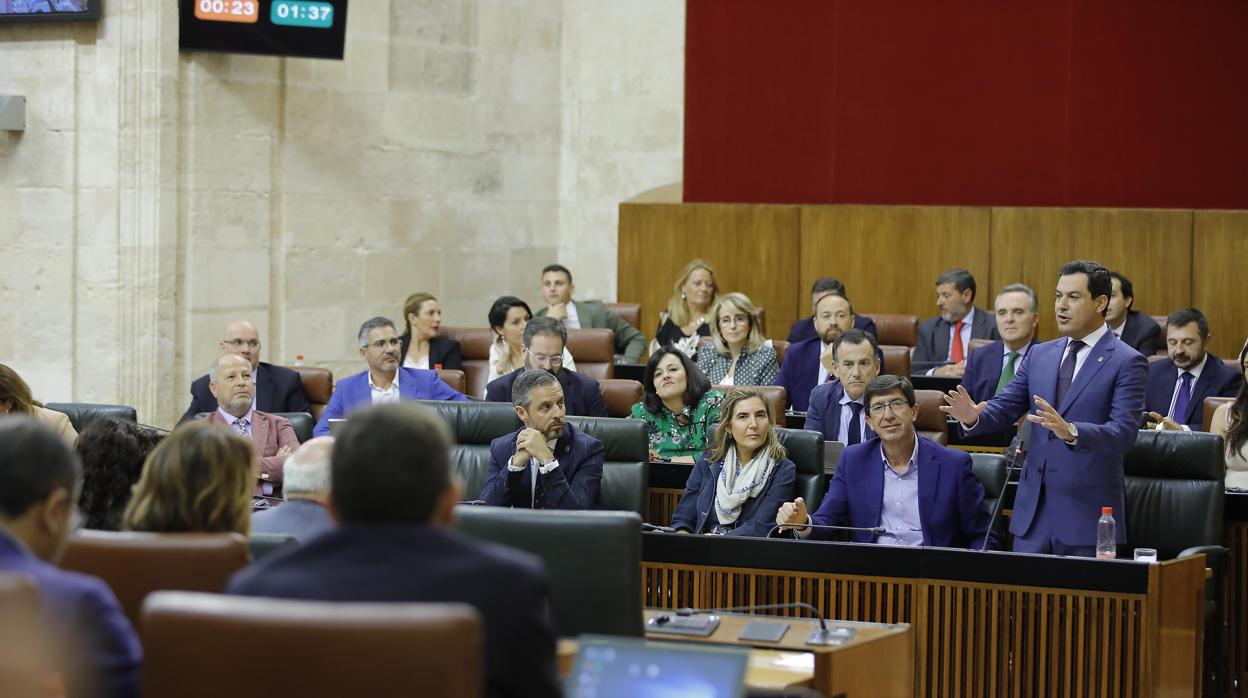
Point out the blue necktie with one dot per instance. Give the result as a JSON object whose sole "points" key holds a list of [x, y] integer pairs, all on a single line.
{"points": [[855, 424], [1066, 374], [1183, 399]]}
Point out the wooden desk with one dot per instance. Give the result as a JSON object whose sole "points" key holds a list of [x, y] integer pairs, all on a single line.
{"points": [[761, 672], [878, 661]]}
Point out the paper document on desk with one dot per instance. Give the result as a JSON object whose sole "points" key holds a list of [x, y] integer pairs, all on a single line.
{"points": [[801, 661]]}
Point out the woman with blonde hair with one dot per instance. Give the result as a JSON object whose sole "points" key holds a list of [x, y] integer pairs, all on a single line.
{"points": [[736, 488], [197, 480], [423, 345], [15, 398], [685, 318], [738, 354]]}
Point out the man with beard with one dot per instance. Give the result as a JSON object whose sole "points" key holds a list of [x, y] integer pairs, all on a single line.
{"points": [[1178, 385], [945, 340], [810, 362], [229, 379], [385, 381], [544, 340], [547, 464]]}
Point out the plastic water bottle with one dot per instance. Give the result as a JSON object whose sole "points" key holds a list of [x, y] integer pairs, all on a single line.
{"points": [[1106, 540], [298, 359]]}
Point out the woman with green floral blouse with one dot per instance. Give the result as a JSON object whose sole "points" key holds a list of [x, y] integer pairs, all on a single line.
{"points": [[679, 408]]}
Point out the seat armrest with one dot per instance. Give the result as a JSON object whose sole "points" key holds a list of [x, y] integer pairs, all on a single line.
{"points": [[1206, 550]]}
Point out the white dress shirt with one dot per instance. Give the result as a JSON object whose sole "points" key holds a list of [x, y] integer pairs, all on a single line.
{"points": [[968, 323], [387, 395], [1090, 340], [572, 321], [823, 370]]}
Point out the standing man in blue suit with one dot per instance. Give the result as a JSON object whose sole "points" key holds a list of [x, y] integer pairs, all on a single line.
{"points": [[991, 367], [836, 409], [1088, 392], [384, 381], [547, 463], [805, 328], [1179, 384], [810, 363], [919, 492]]}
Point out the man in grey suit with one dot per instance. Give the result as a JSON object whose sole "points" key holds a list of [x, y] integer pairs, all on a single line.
{"points": [[305, 477], [557, 291], [945, 340]]}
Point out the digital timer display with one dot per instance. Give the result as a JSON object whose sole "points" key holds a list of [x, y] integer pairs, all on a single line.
{"points": [[303, 28], [241, 11], [302, 13]]}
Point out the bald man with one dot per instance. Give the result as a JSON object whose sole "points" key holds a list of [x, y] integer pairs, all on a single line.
{"points": [[229, 379], [277, 389], [305, 477]]}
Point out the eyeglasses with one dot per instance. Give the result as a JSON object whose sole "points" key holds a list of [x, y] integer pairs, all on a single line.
{"points": [[555, 360], [877, 410], [381, 344], [240, 343], [729, 320]]}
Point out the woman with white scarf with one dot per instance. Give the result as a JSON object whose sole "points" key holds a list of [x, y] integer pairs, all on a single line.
{"points": [[737, 486]]}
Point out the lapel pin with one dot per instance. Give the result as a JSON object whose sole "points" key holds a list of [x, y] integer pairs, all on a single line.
{"points": [[1100, 359]]}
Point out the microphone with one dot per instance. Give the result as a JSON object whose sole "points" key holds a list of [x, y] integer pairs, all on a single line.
{"points": [[655, 527], [1016, 451], [154, 428], [877, 530], [472, 502], [819, 636]]}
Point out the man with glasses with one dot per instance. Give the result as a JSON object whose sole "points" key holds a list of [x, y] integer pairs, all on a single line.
{"points": [[917, 491], [277, 389], [544, 340], [385, 381]]}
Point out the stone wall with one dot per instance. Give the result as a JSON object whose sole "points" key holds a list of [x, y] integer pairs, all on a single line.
{"points": [[459, 147]]}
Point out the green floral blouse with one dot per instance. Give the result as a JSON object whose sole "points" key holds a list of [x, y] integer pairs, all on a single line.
{"points": [[671, 438]]}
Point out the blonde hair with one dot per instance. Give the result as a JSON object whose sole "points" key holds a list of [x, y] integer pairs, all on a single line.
{"points": [[723, 436], [412, 306], [197, 480], [741, 303], [678, 307]]}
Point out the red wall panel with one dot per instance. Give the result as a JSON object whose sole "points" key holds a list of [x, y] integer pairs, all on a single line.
{"points": [[968, 102]]}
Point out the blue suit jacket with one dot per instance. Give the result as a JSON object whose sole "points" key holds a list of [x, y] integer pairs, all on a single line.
{"points": [[951, 500], [1105, 403], [758, 514], [104, 657], [413, 563], [823, 414], [983, 370], [1216, 380], [805, 329], [581, 394], [575, 484], [800, 372], [353, 392]]}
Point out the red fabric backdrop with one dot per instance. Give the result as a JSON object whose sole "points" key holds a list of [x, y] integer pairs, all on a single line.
{"points": [[1131, 103]]}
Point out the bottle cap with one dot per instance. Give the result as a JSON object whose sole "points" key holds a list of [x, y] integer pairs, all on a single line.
{"points": [[299, 357], [1107, 510], [437, 367]]}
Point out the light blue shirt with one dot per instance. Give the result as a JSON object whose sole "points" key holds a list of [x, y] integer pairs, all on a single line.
{"points": [[899, 512], [847, 414]]}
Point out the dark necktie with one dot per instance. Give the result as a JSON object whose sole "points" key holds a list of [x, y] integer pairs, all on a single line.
{"points": [[1007, 373], [854, 434], [1181, 401], [1066, 374]]}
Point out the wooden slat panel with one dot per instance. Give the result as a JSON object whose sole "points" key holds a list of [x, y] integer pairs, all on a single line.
{"points": [[888, 257], [1151, 247], [1237, 607], [1218, 285], [753, 248]]}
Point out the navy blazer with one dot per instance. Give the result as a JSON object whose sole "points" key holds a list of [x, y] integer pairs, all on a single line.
{"points": [[79, 610], [1142, 333], [824, 412], [951, 499], [278, 389], [353, 392], [805, 329], [983, 370], [575, 484], [414, 563], [932, 348], [1216, 380], [581, 395], [1105, 402], [758, 514], [442, 350], [800, 372]]}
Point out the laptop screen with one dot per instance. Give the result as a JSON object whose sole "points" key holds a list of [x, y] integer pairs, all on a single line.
{"points": [[616, 667]]}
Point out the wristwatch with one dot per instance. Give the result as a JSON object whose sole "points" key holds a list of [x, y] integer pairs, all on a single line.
{"points": [[1074, 431]]}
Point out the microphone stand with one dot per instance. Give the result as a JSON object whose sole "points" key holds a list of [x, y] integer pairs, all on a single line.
{"points": [[821, 636], [877, 530], [1020, 440]]}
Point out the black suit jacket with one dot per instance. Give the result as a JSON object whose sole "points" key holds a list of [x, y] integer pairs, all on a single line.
{"points": [[932, 348], [442, 350], [412, 563], [278, 389], [581, 394], [805, 329], [1142, 333], [1216, 380]]}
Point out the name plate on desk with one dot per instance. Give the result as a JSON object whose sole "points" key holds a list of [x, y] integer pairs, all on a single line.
{"points": [[695, 626]]}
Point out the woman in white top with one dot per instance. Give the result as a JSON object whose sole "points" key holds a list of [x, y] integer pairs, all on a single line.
{"points": [[508, 317], [1231, 421], [423, 344]]}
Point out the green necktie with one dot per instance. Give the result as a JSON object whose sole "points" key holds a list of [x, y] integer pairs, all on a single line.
{"points": [[1007, 373]]}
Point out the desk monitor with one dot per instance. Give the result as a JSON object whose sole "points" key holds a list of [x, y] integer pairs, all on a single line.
{"points": [[616, 667], [335, 426]]}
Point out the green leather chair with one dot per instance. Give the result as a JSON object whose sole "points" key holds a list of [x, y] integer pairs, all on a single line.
{"points": [[301, 422], [806, 451], [625, 466], [83, 413], [593, 559]]}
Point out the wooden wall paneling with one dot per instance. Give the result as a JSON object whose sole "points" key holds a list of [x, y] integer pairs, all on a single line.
{"points": [[888, 257], [1153, 248], [753, 249], [1219, 286]]}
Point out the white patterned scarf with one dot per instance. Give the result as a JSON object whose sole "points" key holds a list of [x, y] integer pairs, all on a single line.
{"points": [[737, 485]]}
